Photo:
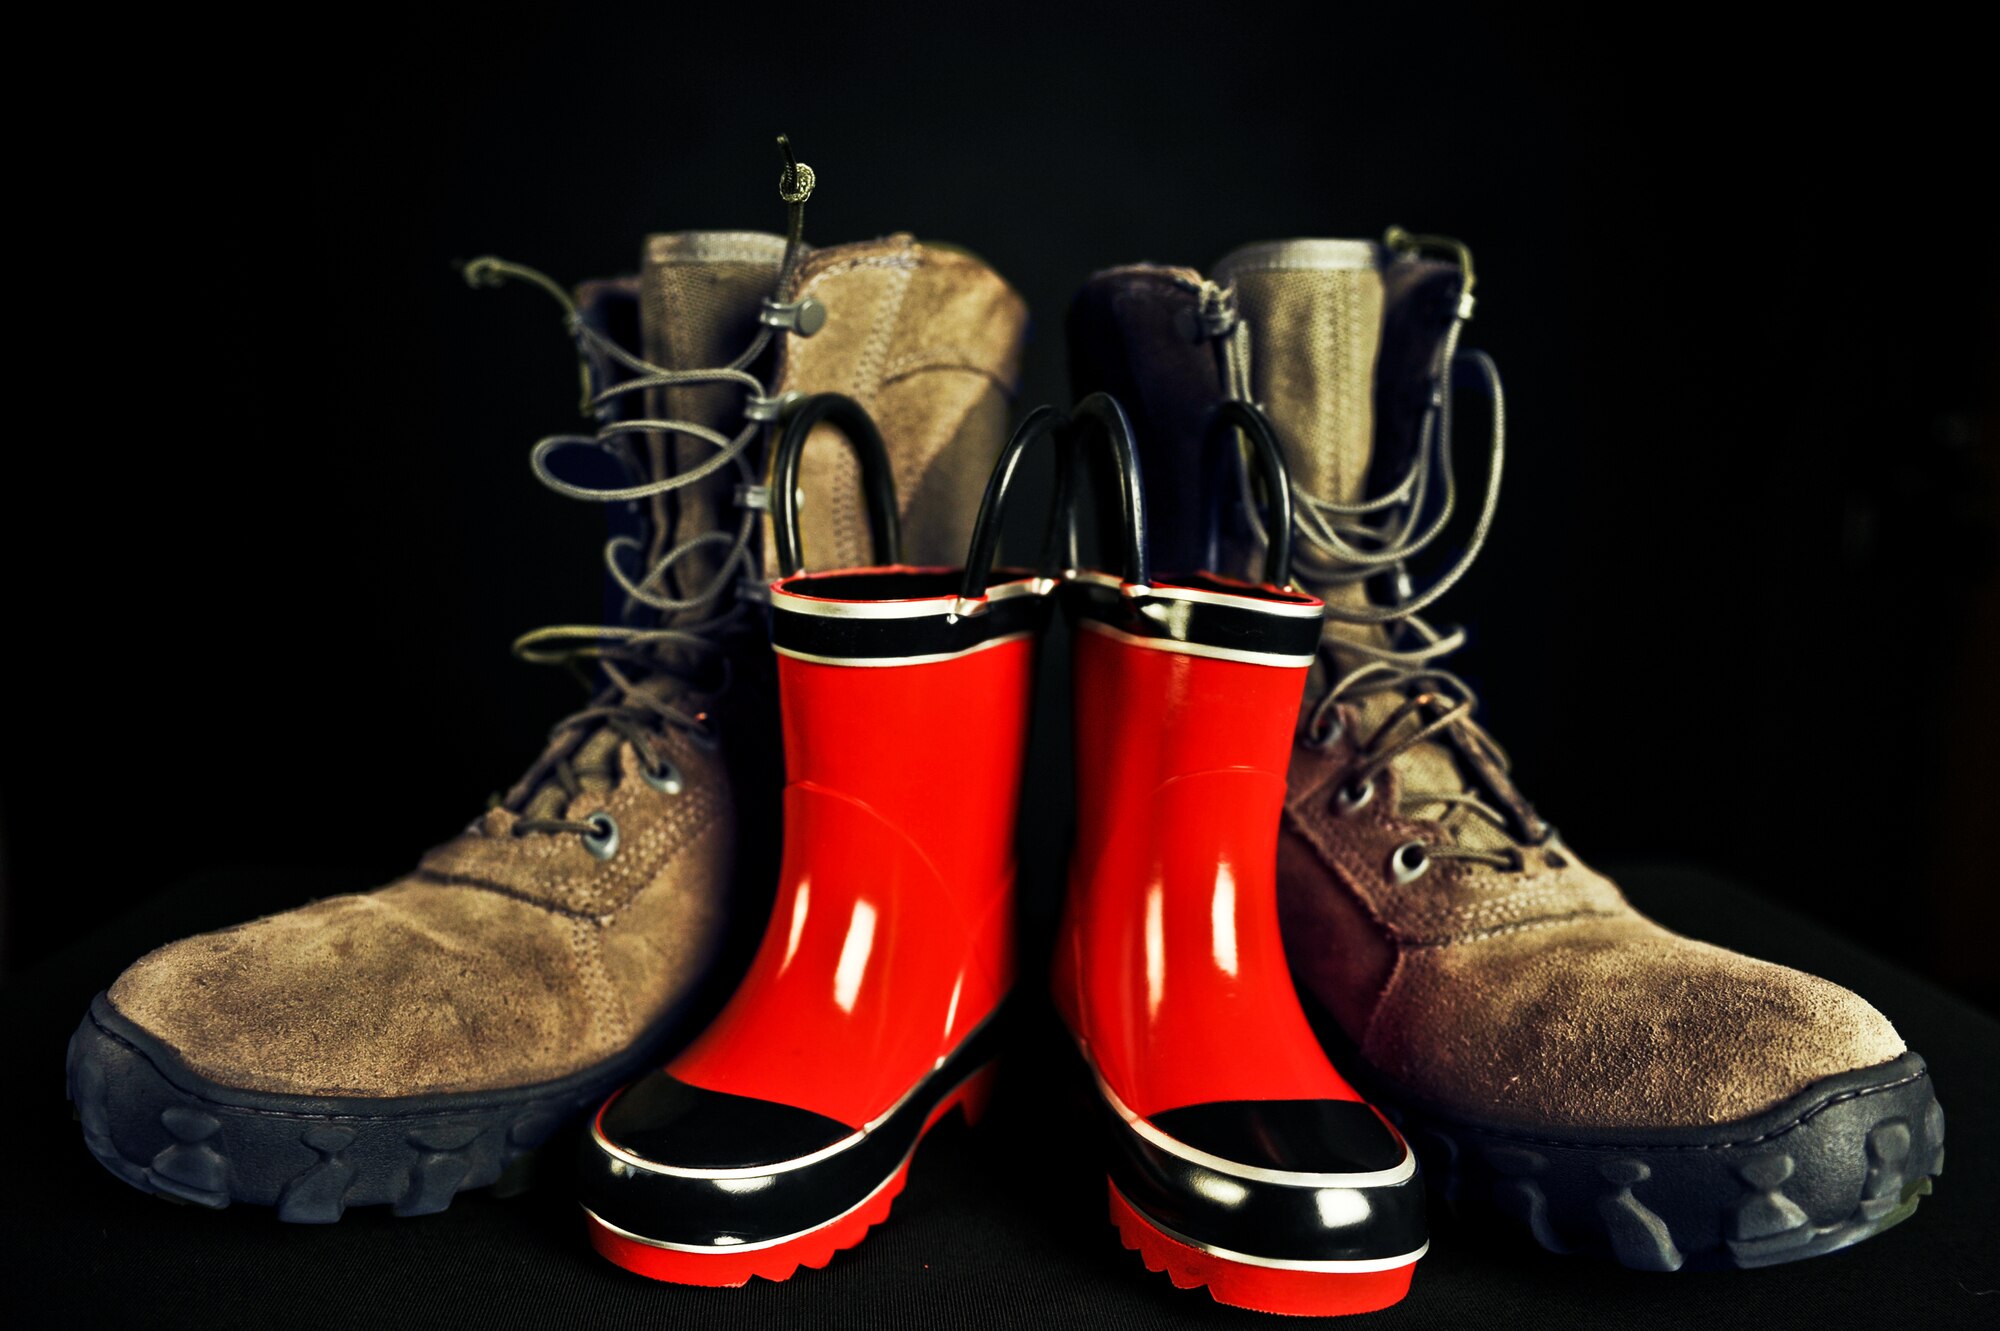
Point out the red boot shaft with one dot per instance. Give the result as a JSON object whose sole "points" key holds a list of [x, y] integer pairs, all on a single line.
{"points": [[1170, 968], [871, 1007], [1238, 1158], [891, 936]]}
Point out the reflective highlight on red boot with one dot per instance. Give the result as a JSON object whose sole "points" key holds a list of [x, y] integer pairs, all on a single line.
{"points": [[1239, 1158], [783, 1132]]}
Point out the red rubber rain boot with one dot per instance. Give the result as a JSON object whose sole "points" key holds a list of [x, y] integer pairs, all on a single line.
{"points": [[1240, 1159], [786, 1129]]}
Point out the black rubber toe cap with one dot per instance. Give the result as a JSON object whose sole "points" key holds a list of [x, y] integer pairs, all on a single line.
{"points": [[1274, 1181], [668, 1122], [1298, 1136]]}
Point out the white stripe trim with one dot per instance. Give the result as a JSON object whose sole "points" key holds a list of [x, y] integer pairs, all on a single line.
{"points": [[641, 1163], [1111, 580], [784, 1166], [1379, 1178], [913, 608], [1351, 1266], [827, 609], [1237, 600], [930, 659], [723, 1250], [1197, 648], [726, 1249]]}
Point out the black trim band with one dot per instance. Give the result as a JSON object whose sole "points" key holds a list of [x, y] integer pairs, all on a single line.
{"points": [[1274, 1220], [762, 1205], [1205, 617], [892, 616]]}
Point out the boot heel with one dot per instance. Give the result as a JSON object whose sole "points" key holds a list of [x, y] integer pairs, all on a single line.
{"points": [[1243, 1282]]}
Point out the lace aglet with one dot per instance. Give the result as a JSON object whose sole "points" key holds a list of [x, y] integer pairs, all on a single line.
{"points": [[796, 181]]}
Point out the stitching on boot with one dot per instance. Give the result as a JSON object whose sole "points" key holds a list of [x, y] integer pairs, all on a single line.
{"points": [[868, 366], [906, 367], [608, 1016], [850, 265], [1481, 918], [437, 878], [1449, 940], [590, 894]]}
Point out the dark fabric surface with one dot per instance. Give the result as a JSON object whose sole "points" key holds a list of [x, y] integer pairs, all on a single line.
{"points": [[1002, 1226]]}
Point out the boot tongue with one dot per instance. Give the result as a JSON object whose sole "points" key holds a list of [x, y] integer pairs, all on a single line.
{"points": [[699, 294], [1315, 309]]}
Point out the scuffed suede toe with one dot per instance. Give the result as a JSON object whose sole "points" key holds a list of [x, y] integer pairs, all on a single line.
{"points": [[414, 989], [1612, 1021]]}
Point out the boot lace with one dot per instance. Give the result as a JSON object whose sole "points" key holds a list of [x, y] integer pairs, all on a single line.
{"points": [[1370, 646], [655, 673]]}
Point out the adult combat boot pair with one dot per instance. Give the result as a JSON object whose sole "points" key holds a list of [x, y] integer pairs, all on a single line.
{"points": [[1612, 1087], [398, 1046], [1238, 1158]]}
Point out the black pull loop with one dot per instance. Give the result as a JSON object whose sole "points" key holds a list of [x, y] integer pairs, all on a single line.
{"points": [[1098, 414], [1102, 411], [1233, 415], [878, 482], [1037, 424]]}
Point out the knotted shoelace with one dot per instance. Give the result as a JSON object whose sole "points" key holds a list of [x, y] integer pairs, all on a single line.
{"points": [[681, 656], [1368, 647]]}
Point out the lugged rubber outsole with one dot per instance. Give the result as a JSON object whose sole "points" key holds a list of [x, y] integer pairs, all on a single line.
{"points": [[1262, 1289], [1835, 1166], [1843, 1160], [813, 1249], [163, 1129]]}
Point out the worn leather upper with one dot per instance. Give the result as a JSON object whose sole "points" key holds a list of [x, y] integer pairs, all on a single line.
{"points": [[1540, 998], [505, 960]]}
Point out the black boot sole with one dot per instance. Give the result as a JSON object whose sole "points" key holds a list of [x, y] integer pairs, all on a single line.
{"points": [[165, 1129], [1845, 1159]]}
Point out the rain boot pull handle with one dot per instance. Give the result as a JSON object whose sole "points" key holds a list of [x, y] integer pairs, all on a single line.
{"points": [[878, 482], [1097, 416], [1236, 415]]}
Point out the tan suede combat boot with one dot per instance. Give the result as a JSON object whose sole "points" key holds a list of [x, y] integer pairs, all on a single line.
{"points": [[1614, 1088], [399, 1046]]}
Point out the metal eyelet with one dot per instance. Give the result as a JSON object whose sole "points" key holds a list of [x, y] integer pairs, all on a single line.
{"points": [[804, 317], [666, 779], [1409, 862], [1330, 736], [1351, 799], [603, 843]]}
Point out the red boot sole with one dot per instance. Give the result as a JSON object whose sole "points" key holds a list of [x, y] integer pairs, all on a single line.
{"points": [[814, 1248], [1263, 1289]]}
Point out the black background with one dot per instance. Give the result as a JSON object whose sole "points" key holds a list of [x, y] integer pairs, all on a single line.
{"points": [[270, 525]]}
